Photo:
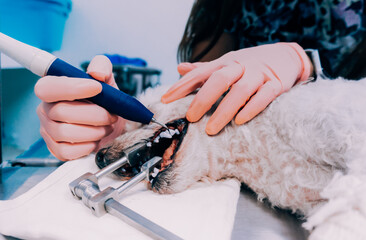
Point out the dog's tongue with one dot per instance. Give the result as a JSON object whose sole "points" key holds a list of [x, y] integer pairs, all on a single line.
{"points": [[168, 154]]}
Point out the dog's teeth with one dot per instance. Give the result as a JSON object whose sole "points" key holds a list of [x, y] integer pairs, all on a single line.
{"points": [[171, 131], [165, 134], [156, 140], [177, 131], [156, 171], [148, 144]]}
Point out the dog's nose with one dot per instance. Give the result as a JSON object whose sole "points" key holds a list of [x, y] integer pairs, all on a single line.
{"points": [[100, 154], [100, 157]]}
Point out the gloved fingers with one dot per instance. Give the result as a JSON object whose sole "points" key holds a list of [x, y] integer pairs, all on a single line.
{"points": [[73, 133], [190, 82], [54, 89], [265, 95], [118, 129], [100, 67], [67, 151], [185, 67], [217, 84], [79, 112], [236, 98]]}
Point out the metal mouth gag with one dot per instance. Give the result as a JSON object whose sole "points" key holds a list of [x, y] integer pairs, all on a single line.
{"points": [[86, 188], [136, 163]]}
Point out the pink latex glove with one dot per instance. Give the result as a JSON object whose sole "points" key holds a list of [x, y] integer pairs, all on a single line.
{"points": [[258, 74], [70, 126]]}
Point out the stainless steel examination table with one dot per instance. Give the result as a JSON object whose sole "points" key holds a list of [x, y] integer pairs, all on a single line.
{"points": [[254, 220]]}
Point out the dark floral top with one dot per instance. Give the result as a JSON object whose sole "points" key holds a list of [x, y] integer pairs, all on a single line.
{"points": [[334, 27]]}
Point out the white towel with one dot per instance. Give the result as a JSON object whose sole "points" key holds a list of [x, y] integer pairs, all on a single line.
{"points": [[48, 211]]}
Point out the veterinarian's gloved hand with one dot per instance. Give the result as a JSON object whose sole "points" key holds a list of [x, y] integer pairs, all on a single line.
{"points": [[73, 127], [255, 77]]}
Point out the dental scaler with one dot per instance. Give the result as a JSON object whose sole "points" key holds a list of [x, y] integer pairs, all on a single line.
{"points": [[43, 63]]}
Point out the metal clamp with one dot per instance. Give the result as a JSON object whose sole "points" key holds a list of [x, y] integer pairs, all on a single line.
{"points": [[86, 188]]}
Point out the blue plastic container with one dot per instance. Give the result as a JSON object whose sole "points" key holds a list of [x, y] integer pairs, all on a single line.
{"points": [[39, 23]]}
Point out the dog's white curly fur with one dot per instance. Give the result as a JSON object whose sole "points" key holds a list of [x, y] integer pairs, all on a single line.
{"points": [[294, 153]]}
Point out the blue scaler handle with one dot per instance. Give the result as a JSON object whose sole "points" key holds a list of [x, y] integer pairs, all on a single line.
{"points": [[111, 99]]}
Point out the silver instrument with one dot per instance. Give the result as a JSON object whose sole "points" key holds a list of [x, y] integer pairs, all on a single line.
{"points": [[86, 188]]}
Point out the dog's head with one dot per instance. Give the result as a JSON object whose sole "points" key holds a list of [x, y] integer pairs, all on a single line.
{"points": [[157, 141]]}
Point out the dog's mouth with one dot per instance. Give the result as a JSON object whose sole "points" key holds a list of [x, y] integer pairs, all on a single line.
{"points": [[164, 143]]}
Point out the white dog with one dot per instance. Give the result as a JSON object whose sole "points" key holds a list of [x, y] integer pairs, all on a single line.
{"points": [[306, 152]]}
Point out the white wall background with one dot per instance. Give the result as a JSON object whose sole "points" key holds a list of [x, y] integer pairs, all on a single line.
{"points": [[149, 29]]}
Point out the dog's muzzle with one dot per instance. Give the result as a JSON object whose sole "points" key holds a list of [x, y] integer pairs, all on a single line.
{"points": [[164, 143]]}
